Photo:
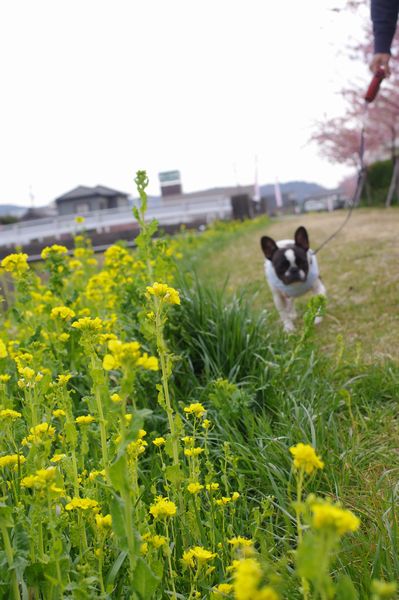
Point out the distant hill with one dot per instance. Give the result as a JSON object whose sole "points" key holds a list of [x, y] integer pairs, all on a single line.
{"points": [[12, 210], [299, 189]]}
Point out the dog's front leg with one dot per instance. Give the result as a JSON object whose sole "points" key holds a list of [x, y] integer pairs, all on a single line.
{"points": [[318, 288], [284, 309]]}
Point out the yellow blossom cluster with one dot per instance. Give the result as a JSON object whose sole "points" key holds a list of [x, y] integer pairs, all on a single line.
{"points": [[16, 264], [247, 575], [163, 508], [39, 433], [195, 487], [159, 442], [306, 458], [53, 251], [85, 420], [11, 460], [134, 449], [3, 349], [88, 324], [197, 556], [128, 355], [8, 413], [196, 409], [227, 499], [42, 480], [162, 291], [62, 312], [83, 504], [333, 517], [103, 522]]}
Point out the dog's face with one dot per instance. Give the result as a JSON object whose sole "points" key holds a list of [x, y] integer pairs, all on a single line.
{"points": [[291, 263]]}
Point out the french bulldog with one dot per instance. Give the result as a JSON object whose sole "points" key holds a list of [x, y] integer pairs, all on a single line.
{"points": [[291, 270]]}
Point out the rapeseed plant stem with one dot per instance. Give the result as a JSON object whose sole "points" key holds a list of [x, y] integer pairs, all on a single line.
{"points": [[101, 420], [10, 559], [168, 551], [299, 485], [161, 346]]}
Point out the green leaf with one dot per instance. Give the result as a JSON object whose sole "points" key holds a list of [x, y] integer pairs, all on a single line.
{"points": [[118, 474], [174, 474], [6, 519], [118, 521], [145, 581], [114, 570]]}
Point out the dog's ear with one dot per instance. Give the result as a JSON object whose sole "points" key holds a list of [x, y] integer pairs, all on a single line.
{"points": [[301, 238], [269, 246]]}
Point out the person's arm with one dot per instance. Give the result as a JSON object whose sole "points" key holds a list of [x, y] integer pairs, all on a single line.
{"points": [[384, 15]]}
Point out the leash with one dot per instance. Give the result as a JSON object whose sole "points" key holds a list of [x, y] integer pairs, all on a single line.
{"points": [[371, 94]]}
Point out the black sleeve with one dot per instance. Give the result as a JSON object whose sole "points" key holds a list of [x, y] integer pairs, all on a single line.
{"points": [[384, 15]]}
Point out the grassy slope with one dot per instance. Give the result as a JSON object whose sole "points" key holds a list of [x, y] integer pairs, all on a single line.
{"points": [[358, 442], [359, 269]]}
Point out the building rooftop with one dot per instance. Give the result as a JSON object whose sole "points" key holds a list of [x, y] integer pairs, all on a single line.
{"points": [[83, 191]]}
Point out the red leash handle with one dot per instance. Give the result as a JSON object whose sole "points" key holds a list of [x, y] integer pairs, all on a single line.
{"points": [[375, 85]]}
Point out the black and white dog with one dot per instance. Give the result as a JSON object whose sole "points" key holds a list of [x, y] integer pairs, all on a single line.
{"points": [[291, 270]]}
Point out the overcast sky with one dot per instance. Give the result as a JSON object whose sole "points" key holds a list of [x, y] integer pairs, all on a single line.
{"points": [[93, 90]]}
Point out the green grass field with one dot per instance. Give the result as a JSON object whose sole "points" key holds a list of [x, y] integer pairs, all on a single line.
{"points": [[359, 268]]}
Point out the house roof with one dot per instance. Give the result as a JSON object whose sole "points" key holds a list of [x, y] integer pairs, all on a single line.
{"points": [[83, 191]]}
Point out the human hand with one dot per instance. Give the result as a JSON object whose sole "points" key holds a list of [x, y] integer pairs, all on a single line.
{"points": [[380, 60]]}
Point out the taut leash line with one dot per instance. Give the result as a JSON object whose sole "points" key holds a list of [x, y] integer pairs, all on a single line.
{"points": [[371, 94]]}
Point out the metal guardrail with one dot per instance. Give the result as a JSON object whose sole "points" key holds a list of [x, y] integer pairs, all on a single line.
{"points": [[168, 213]]}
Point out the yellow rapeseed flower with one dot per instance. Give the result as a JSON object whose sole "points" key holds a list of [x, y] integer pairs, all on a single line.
{"points": [[54, 250], [8, 413], [247, 575], [83, 504], [240, 541], [10, 460], [162, 508], [3, 354], [94, 474], [148, 362], [59, 412], [103, 522], [223, 589], [87, 324], [63, 312], [333, 517], [3, 378], [85, 420], [57, 457], [159, 441], [158, 540], [39, 433], [43, 479], [305, 458], [164, 292], [116, 398], [212, 487], [196, 409], [194, 488], [197, 556], [17, 264], [193, 451]]}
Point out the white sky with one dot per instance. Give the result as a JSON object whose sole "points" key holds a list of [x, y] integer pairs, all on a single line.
{"points": [[93, 90]]}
